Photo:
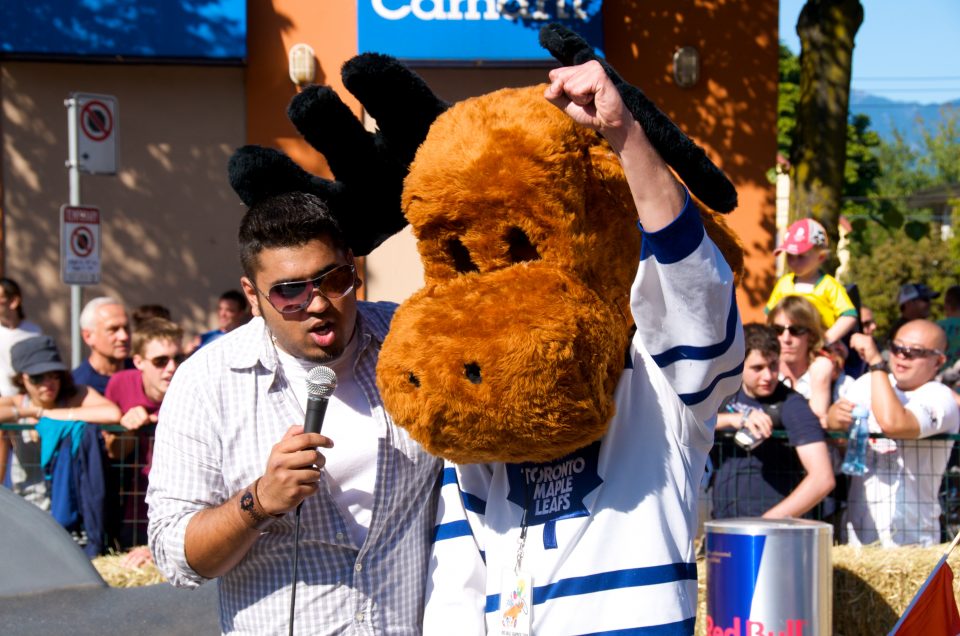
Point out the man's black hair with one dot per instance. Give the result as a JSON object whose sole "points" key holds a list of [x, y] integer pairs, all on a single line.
{"points": [[236, 296], [12, 290], [762, 338], [291, 219]]}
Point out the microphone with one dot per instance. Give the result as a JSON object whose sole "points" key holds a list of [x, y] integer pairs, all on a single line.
{"points": [[321, 382]]}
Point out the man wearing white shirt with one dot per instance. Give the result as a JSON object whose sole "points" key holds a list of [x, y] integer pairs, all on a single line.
{"points": [[14, 327], [895, 502]]}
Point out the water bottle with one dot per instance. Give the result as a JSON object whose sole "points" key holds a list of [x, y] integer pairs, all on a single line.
{"points": [[854, 462]]}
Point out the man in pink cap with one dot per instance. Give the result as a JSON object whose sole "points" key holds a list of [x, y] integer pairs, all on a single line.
{"points": [[806, 247]]}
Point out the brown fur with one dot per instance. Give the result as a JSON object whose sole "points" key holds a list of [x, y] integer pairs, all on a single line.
{"points": [[541, 320]]}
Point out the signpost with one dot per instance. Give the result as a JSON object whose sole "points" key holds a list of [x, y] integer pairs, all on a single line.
{"points": [[92, 131]]}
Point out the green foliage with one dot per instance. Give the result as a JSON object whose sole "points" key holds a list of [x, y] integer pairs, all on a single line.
{"points": [[894, 260], [788, 94]]}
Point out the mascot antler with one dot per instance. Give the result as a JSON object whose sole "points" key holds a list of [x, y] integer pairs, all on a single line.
{"points": [[368, 167], [700, 174]]}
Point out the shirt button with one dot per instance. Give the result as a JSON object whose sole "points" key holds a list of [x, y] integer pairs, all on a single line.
{"points": [[359, 617], [358, 567], [339, 536]]}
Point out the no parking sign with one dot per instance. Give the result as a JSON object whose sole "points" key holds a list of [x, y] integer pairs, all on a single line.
{"points": [[94, 123], [79, 244]]}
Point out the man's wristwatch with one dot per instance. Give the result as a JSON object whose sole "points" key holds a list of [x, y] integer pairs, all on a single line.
{"points": [[880, 366], [250, 505]]}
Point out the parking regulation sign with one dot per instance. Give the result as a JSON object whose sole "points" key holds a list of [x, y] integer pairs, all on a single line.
{"points": [[79, 244], [95, 120]]}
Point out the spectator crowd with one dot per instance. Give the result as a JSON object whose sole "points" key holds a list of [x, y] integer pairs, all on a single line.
{"points": [[79, 443], [817, 358]]}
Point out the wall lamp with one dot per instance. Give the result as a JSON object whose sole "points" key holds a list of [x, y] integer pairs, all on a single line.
{"points": [[686, 66], [303, 65]]}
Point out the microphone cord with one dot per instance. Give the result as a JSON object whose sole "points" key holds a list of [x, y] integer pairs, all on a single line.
{"points": [[296, 558]]}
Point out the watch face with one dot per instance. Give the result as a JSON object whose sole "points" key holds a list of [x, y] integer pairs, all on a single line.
{"points": [[246, 501]]}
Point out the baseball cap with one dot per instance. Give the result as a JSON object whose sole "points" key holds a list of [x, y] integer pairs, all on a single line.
{"points": [[912, 291], [36, 355], [802, 236]]}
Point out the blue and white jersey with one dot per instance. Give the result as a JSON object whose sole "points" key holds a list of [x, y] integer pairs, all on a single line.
{"points": [[610, 528]]}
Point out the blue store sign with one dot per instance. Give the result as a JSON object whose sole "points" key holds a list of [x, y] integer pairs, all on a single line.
{"points": [[470, 30]]}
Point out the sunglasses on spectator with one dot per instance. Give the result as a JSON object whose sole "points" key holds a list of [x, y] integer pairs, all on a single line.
{"points": [[912, 353], [294, 296], [795, 330], [161, 362], [37, 379]]}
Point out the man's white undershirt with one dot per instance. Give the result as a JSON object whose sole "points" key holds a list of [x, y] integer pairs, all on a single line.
{"points": [[351, 467]]}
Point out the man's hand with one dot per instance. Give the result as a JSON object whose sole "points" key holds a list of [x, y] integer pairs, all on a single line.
{"points": [[137, 417], [866, 347], [588, 96], [759, 424], [293, 470], [840, 415]]}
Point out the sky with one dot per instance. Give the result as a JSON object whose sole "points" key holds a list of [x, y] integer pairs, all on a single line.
{"points": [[907, 51]]}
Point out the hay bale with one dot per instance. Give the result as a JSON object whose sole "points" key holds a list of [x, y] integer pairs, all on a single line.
{"points": [[117, 574], [872, 586]]}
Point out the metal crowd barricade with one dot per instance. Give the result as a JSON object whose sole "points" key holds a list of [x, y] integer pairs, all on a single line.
{"points": [[720, 498], [124, 476]]}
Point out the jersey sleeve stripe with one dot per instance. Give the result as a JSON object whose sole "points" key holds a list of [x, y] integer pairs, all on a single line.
{"points": [[449, 476], [603, 581], [452, 530], [709, 352], [677, 240], [695, 398]]}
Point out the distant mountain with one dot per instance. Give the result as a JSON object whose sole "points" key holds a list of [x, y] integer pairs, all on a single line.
{"points": [[887, 115]]}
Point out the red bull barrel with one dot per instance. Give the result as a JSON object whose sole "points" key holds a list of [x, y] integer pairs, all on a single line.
{"points": [[769, 577]]}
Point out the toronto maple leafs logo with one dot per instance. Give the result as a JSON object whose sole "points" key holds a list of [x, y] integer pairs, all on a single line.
{"points": [[555, 490]]}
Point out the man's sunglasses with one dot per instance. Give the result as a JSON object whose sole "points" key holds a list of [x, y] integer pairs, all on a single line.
{"points": [[37, 379], [795, 330], [912, 353], [161, 362], [288, 298]]}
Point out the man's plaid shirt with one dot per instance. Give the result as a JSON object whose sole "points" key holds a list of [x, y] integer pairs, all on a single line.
{"points": [[225, 409]]}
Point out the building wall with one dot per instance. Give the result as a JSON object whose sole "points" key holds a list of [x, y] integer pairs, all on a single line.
{"points": [[169, 217], [731, 111]]}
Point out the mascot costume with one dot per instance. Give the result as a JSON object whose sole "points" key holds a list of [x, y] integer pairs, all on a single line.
{"points": [[567, 364]]}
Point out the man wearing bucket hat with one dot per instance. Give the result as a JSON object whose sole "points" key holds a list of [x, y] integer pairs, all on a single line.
{"points": [[806, 247]]}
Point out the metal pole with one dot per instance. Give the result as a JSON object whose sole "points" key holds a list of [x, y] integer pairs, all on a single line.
{"points": [[73, 166]]}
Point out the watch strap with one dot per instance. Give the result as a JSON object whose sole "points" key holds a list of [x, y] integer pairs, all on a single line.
{"points": [[880, 366], [250, 506]]}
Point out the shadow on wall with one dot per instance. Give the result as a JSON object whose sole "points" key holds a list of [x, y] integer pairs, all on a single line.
{"points": [[731, 112], [169, 217]]}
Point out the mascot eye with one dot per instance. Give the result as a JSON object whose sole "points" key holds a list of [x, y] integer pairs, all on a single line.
{"points": [[519, 246], [472, 371], [461, 257], [413, 379]]}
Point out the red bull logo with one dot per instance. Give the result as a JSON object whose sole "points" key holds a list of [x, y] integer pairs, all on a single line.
{"points": [[794, 627]]}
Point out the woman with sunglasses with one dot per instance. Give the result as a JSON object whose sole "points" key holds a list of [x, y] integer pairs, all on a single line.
{"points": [[46, 390], [805, 366]]}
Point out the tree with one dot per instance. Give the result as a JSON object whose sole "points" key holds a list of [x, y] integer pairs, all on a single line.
{"points": [[827, 29]]}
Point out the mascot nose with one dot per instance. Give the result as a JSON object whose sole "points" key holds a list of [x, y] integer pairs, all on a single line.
{"points": [[472, 371]]}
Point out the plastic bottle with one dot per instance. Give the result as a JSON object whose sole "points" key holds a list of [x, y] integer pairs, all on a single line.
{"points": [[854, 462]]}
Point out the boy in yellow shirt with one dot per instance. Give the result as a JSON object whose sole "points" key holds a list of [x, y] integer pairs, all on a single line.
{"points": [[806, 248]]}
